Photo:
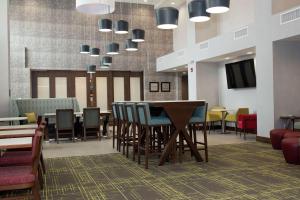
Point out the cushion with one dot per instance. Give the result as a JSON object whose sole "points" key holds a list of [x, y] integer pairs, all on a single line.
{"points": [[291, 150], [16, 158], [292, 135], [31, 117], [16, 175], [276, 136]]}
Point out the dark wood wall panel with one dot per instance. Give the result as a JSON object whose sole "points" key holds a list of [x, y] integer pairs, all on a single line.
{"points": [[91, 83]]}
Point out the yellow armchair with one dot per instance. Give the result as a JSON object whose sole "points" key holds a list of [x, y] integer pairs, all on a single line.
{"points": [[214, 116], [233, 117]]}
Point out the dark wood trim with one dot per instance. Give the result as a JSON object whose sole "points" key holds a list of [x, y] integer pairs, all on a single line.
{"points": [[142, 86], [263, 139], [71, 85], [110, 90], [127, 87], [52, 86]]}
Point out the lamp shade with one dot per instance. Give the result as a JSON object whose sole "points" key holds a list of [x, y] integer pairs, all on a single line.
{"points": [[217, 6], [95, 52], [105, 25], [91, 69], [113, 49], [130, 45], [138, 35], [166, 18], [84, 48], [96, 7], [197, 11], [106, 61], [121, 27]]}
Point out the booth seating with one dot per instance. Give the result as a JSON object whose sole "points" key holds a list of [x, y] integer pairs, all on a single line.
{"points": [[277, 136]]}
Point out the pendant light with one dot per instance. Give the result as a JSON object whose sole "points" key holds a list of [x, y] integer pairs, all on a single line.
{"points": [[96, 7], [121, 27], [91, 69], [217, 6], [105, 25], [84, 49], [106, 60], [95, 52], [167, 18], [138, 35], [197, 11], [130, 45], [113, 49]]}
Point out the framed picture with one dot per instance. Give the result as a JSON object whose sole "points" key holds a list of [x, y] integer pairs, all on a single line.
{"points": [[165, 86], [154, 86]]}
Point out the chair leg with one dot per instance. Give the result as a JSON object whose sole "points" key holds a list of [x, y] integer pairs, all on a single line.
{"points": [[43, 163], [205, 144], [73, 135], [127, 140], [147, 147], [40, 176], [235, 128], [84, 133], [139, 144], [57, 136], [36, 190], [133, 141], [114, 136]]}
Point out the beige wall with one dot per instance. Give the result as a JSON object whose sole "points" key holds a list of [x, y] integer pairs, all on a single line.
{"points": [[282, 5], [207, 30], [286, 80]]}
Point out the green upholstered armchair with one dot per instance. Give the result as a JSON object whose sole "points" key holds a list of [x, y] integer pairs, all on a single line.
{"points": [[91, 121], [233, 117]]}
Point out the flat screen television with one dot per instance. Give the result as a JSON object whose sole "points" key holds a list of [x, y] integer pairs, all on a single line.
{"points": [[241, 74]]}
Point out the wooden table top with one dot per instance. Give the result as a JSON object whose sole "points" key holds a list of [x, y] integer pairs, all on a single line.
{"points": [[16, 143], [17, 133], [18, 127], [78, 114], [9, 119]]}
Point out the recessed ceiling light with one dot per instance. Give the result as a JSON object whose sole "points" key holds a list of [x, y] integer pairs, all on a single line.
{"points": [[227, 58], [172, 3], [145, 1], [249, 53], [174, 69]]}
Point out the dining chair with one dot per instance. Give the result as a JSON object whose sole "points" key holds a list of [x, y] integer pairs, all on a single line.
{"points": [[91, 122], [115, 124], [148, 123], [199, 119], [64, 123], [24, 177], [131, 136]]}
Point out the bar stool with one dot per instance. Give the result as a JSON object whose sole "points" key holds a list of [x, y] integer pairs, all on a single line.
{"points": [[132, 122], [115, 123], [123, 127], [147, 123], [199, 118]]}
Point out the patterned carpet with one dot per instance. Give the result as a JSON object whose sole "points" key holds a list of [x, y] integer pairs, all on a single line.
{"points": [[240, 171]]}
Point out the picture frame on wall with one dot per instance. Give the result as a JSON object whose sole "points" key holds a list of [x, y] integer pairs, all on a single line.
{"points": [[165, 86], [154, 86]]}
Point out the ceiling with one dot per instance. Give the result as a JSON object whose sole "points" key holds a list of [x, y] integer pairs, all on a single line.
{"points": [[156, 3]]}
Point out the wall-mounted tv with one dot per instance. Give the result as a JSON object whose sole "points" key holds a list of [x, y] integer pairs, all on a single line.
{"points": [[241, 74]]}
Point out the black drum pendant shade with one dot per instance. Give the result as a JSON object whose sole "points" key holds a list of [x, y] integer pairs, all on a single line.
{"points": [[217, 6], [95, 52], [121, 27], [166, 18], [197, 11], [91, 69], [130, 45], [106, 61], [113, 49], [105, 25], [84, 48], [138, 35]]}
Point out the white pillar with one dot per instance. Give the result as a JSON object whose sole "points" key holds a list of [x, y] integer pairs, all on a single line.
{"points": [[264, 69], [4, 58]]}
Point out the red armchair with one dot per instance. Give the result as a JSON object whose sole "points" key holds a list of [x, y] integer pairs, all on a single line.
{"points": [[246, 123], [24, 177]]}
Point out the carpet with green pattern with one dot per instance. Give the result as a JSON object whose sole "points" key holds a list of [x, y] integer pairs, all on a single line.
{"points": [[239, 171]]}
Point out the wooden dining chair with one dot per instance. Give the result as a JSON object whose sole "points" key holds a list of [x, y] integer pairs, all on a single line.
{"points": [[91, 122], [65, 123], [24, 177]]}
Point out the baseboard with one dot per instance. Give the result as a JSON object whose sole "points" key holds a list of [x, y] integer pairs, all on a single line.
{"points": [[263, 139]]}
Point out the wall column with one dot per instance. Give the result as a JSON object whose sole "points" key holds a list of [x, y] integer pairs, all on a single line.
{"points": [[264, 68], [4, 58]]}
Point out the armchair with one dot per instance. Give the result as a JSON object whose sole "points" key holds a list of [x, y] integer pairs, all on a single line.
{"points": [[247, 122], [233, 117]]}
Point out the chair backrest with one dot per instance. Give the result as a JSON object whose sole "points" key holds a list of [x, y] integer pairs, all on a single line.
{"points": [[216, 113], [200, 113], [143, 112], [36, 150], [121, 110], [131, 112], [64, 119], [91, 117], [242, 111], [115, 111]]}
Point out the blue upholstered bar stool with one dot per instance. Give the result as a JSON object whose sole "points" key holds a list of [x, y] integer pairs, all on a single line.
{"points": [[115, 122], [132, 124], [123, 126], [199, 119], [147, 122]]}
